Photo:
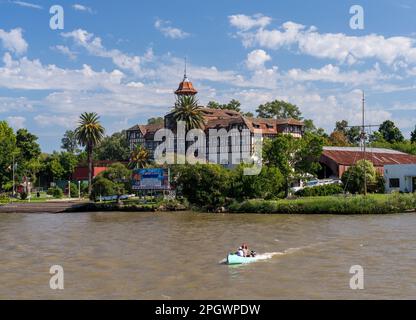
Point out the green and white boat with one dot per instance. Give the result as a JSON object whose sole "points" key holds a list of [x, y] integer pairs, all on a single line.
{"points": [[233, 258]]}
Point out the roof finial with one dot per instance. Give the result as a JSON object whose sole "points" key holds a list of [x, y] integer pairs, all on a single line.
{"points": [[184, 74]]}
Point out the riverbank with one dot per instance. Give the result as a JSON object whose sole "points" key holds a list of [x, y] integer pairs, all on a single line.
{"points": [[345, 205], [53, 206]]}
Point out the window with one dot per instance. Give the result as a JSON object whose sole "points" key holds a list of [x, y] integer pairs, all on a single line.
{"points": [[394, 183]]}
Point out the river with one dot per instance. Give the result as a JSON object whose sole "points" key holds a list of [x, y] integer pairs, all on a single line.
{"points": [[178, 256]]}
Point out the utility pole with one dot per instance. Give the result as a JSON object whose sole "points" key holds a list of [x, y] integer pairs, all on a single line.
{"points": [[69, 189], [363, 139], [14, 192]]}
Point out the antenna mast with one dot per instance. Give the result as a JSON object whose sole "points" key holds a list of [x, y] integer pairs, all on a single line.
{"points": [[363, 142]]}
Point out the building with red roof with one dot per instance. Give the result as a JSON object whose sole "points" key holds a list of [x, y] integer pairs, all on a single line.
{"points": [[336, 160], [215, 119]]}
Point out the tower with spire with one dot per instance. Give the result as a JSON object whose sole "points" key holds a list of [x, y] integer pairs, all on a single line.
{"points": [[185, 87]]}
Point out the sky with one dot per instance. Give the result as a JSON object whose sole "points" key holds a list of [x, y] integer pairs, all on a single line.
{"points": [[124, 59]]}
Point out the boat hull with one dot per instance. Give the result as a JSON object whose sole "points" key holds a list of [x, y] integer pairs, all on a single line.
{"points": [[235, 259]]}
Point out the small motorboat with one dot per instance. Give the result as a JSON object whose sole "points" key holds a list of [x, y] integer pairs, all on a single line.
{"points": [[233, 258]]}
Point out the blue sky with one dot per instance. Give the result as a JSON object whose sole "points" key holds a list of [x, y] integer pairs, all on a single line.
{"points": [[124, 59]]}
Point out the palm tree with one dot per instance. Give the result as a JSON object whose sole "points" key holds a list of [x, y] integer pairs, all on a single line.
{"points": [[89, 134], [139, 158], [186, 109]]}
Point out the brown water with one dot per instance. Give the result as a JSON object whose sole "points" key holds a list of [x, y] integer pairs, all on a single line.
{"points": [[177, 256]]}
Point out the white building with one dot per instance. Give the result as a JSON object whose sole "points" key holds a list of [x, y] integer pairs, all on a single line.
{"points": [[400, 177]]}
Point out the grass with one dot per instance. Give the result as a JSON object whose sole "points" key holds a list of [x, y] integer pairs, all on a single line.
{"points": [[371, 204]]}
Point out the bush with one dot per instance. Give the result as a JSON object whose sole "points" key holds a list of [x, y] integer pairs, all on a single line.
{"points": [[384, 204], [321, 191], [4, 198], [74, 190], [56, 192]]}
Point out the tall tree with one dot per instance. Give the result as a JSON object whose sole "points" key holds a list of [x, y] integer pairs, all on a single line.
{"points": [[186, 109], [69, 142], [279, 109], [89, 134], [390, 132], [7, 150], [29, 151]]}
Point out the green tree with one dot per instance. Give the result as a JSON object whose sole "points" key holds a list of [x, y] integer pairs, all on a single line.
{"points": [[279, 109], [89, 134], [354, 178], [102, 187], [7, 150], [158, 120], [205, 185], [186, 109], [28, 164], [353, 134], [69, 162], [390, 132], [234, 105], [119, 175], [269, 184], [413, 136], [114, 148], [293, 157], [69, 142]]}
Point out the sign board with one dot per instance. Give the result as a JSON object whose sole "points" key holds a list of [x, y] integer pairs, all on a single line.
{"points": [[150, 179]]}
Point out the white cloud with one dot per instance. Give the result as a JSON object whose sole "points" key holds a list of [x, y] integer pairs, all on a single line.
{"points": [[13, 40], [16, 122], [331, 73], [337, 46], [245, 23], [46, 120], [65, 51], [170, 32], [27, 4], [80, 7], [33, 75], [94, 46], [256, 59]]}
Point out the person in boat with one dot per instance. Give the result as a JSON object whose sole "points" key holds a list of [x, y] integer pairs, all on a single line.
{"points": [[245, 250], [240, 252]]}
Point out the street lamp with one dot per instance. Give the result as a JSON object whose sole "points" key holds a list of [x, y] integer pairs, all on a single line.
{"points": [[69, 189], [79, 190]]}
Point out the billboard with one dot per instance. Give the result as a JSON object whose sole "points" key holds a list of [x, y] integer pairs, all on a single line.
{"points": [[150, 179]]}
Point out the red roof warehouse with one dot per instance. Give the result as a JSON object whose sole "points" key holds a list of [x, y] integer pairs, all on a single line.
{"points": [[336, 160]]}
